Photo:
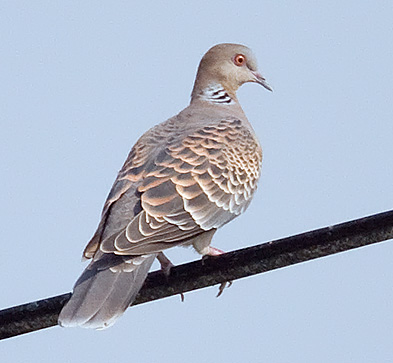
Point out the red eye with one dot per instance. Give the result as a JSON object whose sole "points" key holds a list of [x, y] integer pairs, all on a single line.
{"points": [[239, 60]]}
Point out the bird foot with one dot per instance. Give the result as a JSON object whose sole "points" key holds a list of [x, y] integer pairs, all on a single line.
{"points": [[165, 263], [212, 251], [166, 266], [223, 286]]}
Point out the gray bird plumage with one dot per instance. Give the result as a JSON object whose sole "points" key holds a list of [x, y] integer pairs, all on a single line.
{"points": [[182, 180]]}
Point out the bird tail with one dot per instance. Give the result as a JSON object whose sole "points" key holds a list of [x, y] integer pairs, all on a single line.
{"points": [[104, 290]]}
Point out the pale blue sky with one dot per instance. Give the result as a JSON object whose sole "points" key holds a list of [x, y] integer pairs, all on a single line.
{"points": [[81, 81]]}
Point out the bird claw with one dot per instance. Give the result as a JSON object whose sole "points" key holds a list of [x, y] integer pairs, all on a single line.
{"points": [[222, 287]]}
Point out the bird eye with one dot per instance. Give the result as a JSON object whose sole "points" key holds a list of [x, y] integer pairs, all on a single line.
{"points": [[239, 60]]}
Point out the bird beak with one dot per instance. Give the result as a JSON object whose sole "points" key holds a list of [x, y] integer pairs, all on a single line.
{"points": [[258, 78]]}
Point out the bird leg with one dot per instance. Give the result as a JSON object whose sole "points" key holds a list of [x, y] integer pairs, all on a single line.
{"points": [[165, 263], [166, 266], [212, 251]]}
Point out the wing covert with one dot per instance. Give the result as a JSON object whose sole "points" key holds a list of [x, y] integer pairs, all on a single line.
{"points": [[198, 183]]}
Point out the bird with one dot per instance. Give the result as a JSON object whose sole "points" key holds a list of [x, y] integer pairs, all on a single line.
{"points": [[182, 180]]}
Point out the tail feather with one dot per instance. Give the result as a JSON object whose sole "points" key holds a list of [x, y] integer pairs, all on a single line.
{"points": [[105, 290]]}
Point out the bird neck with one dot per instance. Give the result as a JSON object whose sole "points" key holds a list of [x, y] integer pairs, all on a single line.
{"points": [[214, 93]]}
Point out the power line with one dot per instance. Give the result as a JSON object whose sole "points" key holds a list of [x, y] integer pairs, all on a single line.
{"points": [[215, 270]]}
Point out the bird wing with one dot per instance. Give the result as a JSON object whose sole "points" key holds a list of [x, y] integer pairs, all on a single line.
{"points": [[191, 185]]}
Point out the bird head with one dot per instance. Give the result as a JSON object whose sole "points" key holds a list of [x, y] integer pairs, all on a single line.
{"points": [[229, 65]]}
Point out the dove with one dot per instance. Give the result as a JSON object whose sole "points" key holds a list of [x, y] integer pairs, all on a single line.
{"points": [[183, 179]]}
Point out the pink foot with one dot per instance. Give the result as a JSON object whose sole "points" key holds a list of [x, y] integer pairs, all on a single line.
{"points": [[216, 252], [166, 266], [223, 286], [165, 263], [211, 251]]}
